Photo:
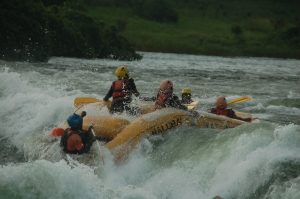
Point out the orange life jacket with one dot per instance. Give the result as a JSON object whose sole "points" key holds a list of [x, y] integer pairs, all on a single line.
{"points": [[72, 142], [120, 88]]}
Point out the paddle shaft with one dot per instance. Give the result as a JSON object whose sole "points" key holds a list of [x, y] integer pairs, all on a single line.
{"points": [[98, 145], [239, 100], [80, 101]]}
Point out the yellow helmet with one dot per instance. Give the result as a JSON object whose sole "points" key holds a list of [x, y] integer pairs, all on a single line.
{"points": [[121, 72], [186, 91]]}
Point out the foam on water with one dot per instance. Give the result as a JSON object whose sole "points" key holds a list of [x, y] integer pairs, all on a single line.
{"points": [[28, 111], [250, 161], [43, 179]]}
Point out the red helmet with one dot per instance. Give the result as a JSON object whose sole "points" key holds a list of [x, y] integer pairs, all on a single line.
{"points": [[166, 86]]}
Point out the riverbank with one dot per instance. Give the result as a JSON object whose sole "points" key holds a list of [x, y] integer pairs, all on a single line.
{"points": [[256, 28]]}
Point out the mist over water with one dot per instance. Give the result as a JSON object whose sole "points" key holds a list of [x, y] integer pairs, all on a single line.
{"points": [[251, 161]]}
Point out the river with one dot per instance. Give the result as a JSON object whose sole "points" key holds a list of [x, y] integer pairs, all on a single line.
{"points": [[250, 161]]}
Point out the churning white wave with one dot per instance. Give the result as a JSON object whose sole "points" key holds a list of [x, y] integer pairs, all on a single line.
{"points": [[250, 161]]}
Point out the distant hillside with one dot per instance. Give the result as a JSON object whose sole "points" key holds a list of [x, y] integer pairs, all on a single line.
{"points": [[229, 27], [37, 29]]}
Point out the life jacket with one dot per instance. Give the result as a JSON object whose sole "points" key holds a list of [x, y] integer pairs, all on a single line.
{"points": [[72, 141], [120, 88], [161, 99], [225, 112]]}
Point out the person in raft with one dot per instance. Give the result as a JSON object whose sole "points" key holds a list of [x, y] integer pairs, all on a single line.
{"points": [[75, 140], [166, 98], [121, 91], [186, 96], [221, 109]]}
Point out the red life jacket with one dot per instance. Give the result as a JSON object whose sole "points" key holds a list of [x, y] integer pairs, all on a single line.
{"points": [[120, 88], [72, 141], [161, 100], [226, 112]]}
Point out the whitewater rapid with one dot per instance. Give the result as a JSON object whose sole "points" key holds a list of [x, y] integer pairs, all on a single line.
{"points": [[250, 161]]}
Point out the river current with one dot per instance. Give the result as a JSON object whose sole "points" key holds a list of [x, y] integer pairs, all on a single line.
{"points": [[250, 161]]}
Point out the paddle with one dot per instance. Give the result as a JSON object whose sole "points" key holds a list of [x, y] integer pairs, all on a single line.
{"points": [[239, 100], [98, 145], [243, 114], [80, 101], [192, 106]]}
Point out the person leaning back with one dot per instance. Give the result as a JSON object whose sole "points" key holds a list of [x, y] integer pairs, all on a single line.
{"points": [[221, 109]]}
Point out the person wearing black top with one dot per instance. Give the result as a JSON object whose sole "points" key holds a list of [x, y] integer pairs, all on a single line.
{"points": [[121, 92]]}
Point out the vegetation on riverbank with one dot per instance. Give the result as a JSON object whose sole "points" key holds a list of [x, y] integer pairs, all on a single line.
{"points": [[268, 28], [37, 29]]}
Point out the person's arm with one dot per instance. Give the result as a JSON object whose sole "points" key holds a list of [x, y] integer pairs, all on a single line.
{"points": [[233, 115], [175, 102], [213, 110], [244, 119], [109, 94], [133, 87]]}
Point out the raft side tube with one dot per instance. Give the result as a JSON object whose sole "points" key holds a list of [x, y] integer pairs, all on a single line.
{"points": [[152, 123], [210, 120], [105, 126]]}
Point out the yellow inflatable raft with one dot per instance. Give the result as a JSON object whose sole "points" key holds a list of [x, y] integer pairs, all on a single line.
{"points": [[105, 126], [152, 123], [159, 122], [108, 126], [124, 135], [209, 120]]}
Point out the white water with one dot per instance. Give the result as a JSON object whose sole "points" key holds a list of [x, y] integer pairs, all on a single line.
{"points": [[250, 161]]}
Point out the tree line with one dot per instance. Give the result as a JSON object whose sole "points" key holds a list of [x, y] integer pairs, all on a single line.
{"points": [[35, 30]]}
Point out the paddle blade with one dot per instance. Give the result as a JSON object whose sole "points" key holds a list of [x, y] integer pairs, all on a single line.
{"points": [[57, 132], [192, 106], [79, 101], [239, 100]]}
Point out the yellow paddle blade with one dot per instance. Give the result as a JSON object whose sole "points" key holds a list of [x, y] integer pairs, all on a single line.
{"points": [[192, 105], [239, 100], [79, 101]]}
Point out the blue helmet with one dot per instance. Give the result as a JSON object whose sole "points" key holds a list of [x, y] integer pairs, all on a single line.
{"points": [[75, 121]]}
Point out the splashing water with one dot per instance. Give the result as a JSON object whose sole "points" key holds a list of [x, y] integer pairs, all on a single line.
{"points": [[250, 161]]}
